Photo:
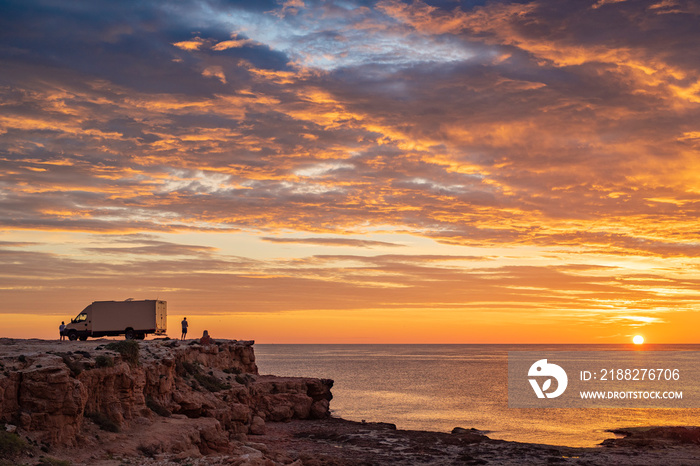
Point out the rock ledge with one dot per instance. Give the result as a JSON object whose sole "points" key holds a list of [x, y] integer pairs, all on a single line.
{"points": [[55, 393]]}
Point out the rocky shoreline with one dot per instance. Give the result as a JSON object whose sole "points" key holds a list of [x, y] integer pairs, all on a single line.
{"points": [[168, 402]]}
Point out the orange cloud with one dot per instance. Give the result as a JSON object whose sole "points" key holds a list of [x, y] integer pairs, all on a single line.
{"points": [[193, 44], [538, 160]]}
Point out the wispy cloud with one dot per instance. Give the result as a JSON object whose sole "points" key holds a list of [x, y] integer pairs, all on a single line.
{"points": [[357, 243]]}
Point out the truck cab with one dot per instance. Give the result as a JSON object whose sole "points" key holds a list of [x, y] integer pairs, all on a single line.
{"points": [[78, 327]]}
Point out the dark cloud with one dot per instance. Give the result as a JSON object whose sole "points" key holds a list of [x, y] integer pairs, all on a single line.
{"points": [[126, 44], [157, 248], [357, 243], [406, 259]]}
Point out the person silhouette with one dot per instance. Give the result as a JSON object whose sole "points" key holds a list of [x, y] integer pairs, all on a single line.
{"points": [[62, 330], [184, 328], [206, 339]]}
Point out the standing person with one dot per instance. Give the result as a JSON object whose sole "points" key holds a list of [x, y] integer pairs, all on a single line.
{"points": [[184, 328], [62, 330]]}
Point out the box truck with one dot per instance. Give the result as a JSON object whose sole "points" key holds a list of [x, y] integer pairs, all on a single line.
{"points": [[133, 319]]}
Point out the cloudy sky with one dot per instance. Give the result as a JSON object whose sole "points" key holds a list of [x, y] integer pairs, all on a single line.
{"points": [[355, 171]]}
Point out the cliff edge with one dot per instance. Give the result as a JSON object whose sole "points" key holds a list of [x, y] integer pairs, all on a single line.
{"points": [[167, 395]]}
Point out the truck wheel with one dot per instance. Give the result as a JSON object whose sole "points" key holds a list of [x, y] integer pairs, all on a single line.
{"points": [[83, 337], [72, 335], [130, 334]]}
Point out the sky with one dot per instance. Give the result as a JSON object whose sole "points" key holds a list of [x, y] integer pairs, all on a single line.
{"points": [[421, 171]]}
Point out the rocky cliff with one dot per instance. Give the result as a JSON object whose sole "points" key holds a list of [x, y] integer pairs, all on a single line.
{"points": [[58, 394], [169, 403]]}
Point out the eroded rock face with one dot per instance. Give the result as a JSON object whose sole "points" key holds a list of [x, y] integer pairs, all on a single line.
{"points": [[49, 399], [52, 389]]}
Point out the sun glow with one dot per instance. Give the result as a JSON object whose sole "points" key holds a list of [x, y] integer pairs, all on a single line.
{"points": [[638, 340]]}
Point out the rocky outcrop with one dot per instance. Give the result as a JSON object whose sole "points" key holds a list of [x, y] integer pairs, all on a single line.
{"points": [[41, 393], [54, 392], [341, 442], [654, 437]]}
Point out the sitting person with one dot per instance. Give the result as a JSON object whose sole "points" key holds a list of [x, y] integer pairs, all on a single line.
{"points": [[206, 339]]}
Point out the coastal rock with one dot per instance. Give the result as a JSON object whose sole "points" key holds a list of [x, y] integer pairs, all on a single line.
{"points": [[55, 396], [654, 437], [341, 442], [257, 427], [284, 398], [48, 400], [472, 434]]}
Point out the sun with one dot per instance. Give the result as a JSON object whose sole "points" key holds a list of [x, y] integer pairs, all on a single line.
{"points": [[638, 340]]}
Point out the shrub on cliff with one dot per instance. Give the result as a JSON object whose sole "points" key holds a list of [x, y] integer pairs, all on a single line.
{"points": [[157, 408], [210, 382], [104, 422], [75, 367], [149, 451], [11, 444], [48, 461], [245, 379], [207, 381], [129, 350], [185, 369], [104, 361]]}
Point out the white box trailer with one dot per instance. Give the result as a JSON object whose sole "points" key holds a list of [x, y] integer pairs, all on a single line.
{"points": [[133, 319]]}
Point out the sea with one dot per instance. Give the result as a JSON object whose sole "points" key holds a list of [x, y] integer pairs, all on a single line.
{"points": [[439, 387]]}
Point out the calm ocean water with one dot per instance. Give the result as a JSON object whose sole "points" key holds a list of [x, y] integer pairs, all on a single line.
{"points": [[438, 387]]}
